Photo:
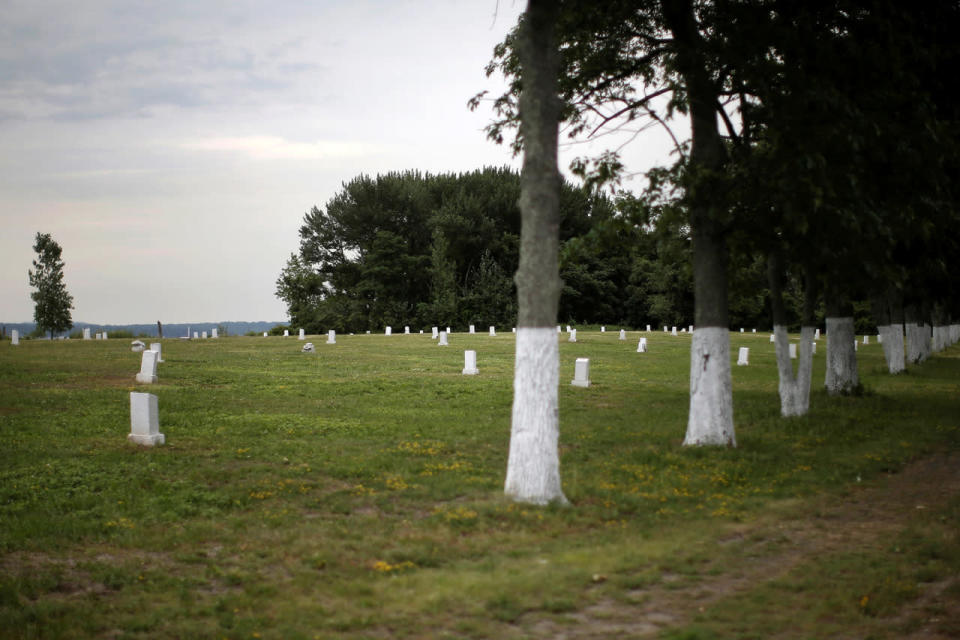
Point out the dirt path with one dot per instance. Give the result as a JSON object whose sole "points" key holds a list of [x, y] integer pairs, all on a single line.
{"points": [[869, 518]]}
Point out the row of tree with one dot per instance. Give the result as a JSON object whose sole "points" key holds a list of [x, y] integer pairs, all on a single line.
{"points": [[823, 141]]}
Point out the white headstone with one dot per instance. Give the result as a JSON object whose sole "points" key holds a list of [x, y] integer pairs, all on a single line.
{"points": [[389, 331], [196, 335], [559, 329], [14, 337], [813, 347], [156, 346], [301, 336], [99, 336], [623, 334], [148, 368], [307, 348], [137, 346], [666, 329], [406, 330], [866, 339], [443, 339], [673, 331], [448, 331], [104, 335], [86, 333], [772, 338], [603, 329], [743, 356], [642, 346], [793, 351], [754, 331], [472, 330], [514, 329], [421, 331], [264, 334], [854, 347], [436, 332], [331, 337], [880, 338], [581, 373], [204, 335], [648, 328], [573, 335], [144, 419], [470, 363], [214, 333], [690, 329], [493, 332], [816, 334], [568, 328], [684, 330], [286, 333], [741, 329]]}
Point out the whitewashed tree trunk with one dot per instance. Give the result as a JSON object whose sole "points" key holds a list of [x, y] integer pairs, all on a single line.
{"points": [[916, 337], [710, 420], [892, 340], [794, 387], [842, 376], [533, 467]]}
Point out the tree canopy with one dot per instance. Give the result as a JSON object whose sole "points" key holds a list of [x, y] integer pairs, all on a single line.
{"points": [[52, 302]]}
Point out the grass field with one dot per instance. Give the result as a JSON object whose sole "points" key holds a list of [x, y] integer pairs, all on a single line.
{"points": [[357, 493]]}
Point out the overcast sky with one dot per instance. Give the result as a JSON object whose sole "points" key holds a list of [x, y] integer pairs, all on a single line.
{"points": [[172, 147]]}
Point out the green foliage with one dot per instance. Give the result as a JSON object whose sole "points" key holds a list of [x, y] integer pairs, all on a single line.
{"points": [[52, 303]]}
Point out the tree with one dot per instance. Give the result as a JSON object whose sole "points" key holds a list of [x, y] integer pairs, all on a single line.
{"points": [[533, 466], [52, 302]]}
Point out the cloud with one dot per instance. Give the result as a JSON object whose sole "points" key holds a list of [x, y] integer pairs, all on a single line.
{"points": [[276, 148]]}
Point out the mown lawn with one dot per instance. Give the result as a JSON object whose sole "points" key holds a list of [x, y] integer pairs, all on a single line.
{"points": [[357, 492]]}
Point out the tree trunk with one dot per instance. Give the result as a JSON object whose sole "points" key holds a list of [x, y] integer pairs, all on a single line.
{"points": [[842, 376], [917, 338], [533, 466], [794, 388], [710, 419], [888, 313]]}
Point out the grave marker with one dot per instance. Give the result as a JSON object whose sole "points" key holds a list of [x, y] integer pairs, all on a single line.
{"points": [[406, 330], [14, 337], [673, 331], [286, 333], [389, 331], [196, 335], [573, 335], [793, 351], [603, 329], [86, 333], [301, 336], [642, 346], [866, 339], [443, 339], [144, 419], [648, 328], [623, 334], [772, 338], [104, 335], [493, 332], [214, 333], [156, 346], [472, 329], [436, 333], [331, 337], [743, 357], [581, 373], [307, 348], [204, 335], [148, 368], [137, 346], [470, 363]]}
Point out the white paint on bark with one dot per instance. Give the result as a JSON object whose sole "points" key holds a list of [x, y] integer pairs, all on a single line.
{"points": [[916, 342], [842, 375], [710, 420], [891, 337], [533, 466], [794, 388]]}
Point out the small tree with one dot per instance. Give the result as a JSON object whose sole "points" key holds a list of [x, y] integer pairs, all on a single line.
{"points": [[53, 303]]}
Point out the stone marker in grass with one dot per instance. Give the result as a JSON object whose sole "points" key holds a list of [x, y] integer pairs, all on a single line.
{"points": [[743, 357], [148, 368], [144, 419], [389, 331], [436, 333], [137, 346], [14, 337], [623, 334], [470, 363], [793, 350], [866, 339], [493, 332], [86, 333], [307, 348], [406, 330], [642, 346], [156, 346], [301, 336], [443, 339], [204, 335], [673, 332], [472, 329], [214, 333], [286, 333], [581, 373], [331, 337], [573, 335]]}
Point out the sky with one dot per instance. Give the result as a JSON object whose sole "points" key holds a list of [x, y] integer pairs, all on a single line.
{"points": [[172, 147]]}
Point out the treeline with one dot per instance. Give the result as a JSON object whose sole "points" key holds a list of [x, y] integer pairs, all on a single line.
{"points": [[422, 250]]}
